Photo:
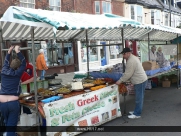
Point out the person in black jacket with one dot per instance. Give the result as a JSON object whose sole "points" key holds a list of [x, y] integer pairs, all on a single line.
{"points": [[11, 88]]}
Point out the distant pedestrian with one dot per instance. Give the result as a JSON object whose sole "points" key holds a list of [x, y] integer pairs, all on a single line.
{"points": [[41, 64], [135, 73]]}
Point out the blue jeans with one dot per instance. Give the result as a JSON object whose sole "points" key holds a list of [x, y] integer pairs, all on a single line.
{"points": [[10, 112], [42, 74], [139, 94]]}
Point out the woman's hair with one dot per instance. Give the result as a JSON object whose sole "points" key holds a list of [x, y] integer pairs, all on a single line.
{"points": [[15, 63], [159, 49], [41, 51]]}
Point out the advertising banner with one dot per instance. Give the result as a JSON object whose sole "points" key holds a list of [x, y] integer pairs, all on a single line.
{"points": [[74, 115]]}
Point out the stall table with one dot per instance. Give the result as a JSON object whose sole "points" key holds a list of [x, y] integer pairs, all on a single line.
{"points": [[79, 109]]}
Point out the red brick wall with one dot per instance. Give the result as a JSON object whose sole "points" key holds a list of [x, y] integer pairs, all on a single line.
{"points": [[84, 6], [87, 6], [117, 8], [41, 4], [67, 5], [4, 4]]}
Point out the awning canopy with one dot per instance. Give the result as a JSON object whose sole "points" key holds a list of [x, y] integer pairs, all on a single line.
{"points": [[16, 24]]}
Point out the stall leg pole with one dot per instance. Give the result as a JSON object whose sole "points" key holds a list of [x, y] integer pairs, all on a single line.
{"points": [[124, 113], [178, 71], [87, 47], [1, 46], [148, 46], [35, 87]]}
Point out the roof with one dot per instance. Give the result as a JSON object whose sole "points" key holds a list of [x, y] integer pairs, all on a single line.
{"points": [[17, 22]]}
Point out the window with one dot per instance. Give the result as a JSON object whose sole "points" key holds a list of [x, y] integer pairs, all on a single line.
{"points": [[92, 52], [152, 17], [55, 54], [165, 2], [155, 17], [27, 3], [173, 20], [132, 13], [97, 7], [106, 7], [54, 5], [166, 19], [158, 16], [137, 13]]}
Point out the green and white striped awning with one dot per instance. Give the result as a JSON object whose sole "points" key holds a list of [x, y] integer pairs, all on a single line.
{"points": [[16, 24]]}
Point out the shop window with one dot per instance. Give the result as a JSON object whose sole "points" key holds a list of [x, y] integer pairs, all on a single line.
{"points": [[92, 52], [115, 51], [27, 3], [54, 5], [55, 54]]}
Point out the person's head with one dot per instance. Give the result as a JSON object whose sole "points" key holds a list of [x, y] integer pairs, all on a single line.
{"points": [[159, 49], [153, 48], [41, 51], [126, 53], [15, 64]]}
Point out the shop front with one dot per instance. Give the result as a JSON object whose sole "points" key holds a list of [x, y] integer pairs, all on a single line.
{"points": [[100, 54], [60, 57]]}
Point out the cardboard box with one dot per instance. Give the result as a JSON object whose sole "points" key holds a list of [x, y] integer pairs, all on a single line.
{"points": [[166, 83], [174, 80], [150, 65]]}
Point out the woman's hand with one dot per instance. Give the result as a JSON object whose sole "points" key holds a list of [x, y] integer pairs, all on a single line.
{"points": [[10, 49], [17, 49]]}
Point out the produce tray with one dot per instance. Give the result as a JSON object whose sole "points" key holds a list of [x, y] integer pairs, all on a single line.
{"points": [[31, 99]]}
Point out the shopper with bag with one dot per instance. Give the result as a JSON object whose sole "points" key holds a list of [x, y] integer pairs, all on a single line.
{"points": [[10, 89], [135, 73]]}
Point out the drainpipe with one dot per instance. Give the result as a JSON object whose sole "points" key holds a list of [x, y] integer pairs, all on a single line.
{"points": [[74, 4], [170, 11]]}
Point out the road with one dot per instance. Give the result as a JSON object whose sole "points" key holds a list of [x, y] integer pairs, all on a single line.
{"points": [[162, 107]]}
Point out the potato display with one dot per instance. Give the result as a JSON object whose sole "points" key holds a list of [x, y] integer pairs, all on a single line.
{"points": [[47, 93], [63, 90]]}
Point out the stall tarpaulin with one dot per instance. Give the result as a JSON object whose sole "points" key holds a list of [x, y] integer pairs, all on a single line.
{"points": [[90, 109], [17, 22]]}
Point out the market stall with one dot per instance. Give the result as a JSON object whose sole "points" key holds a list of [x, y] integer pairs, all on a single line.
{"points": [[32, 24]]}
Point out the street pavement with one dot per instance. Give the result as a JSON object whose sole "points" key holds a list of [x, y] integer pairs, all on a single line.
{"points": [[162, 107]]}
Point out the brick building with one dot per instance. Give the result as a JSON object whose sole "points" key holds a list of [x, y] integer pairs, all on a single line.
{"points": [[93, 6], [81, 6]]}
